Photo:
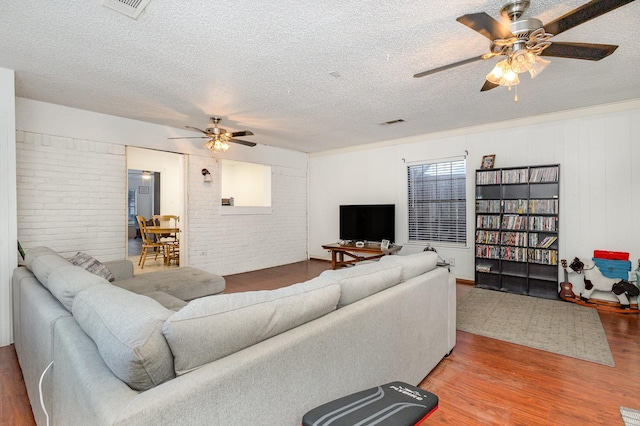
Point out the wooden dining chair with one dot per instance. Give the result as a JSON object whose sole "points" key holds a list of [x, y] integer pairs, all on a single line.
{"points": [[172, 240], [173, 253], [158, 247], [167, 221]]}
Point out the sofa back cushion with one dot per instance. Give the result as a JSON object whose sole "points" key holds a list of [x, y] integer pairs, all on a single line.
{"points": [[42, 261], [60, 277], [66, 281], [413, 264], [127, 329], [363, 280], [213, 327]]}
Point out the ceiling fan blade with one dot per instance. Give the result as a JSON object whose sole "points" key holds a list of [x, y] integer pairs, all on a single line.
{"points": [[485, 25], [588, 51], [582, 14], [241, 142], [446, 67], [199, 130], [241, 133], [191, 137], [488, 86]]}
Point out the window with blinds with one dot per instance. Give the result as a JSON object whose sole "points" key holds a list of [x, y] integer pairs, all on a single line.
{"points": [[437, 202]]}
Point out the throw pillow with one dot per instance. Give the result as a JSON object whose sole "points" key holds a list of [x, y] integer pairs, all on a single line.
{"points": [[92, 265]]}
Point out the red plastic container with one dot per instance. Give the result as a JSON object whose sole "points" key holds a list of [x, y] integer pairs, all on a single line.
{"points": [[611, 255]]}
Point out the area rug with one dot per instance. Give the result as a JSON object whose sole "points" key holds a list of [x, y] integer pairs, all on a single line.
{"points": [[630, 417], [550, 325]]}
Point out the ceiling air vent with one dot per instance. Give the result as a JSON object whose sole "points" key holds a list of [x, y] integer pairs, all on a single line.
{"points": [[386, 123], [131, 8]]}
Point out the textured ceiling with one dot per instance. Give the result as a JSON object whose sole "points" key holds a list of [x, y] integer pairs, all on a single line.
{"points": [[267, 66]]}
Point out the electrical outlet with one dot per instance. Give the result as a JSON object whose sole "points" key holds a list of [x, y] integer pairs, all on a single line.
{"points": [[452, 261]]}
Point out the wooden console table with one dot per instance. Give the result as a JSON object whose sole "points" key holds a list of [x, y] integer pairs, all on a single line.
{"points": [[370, 250]]}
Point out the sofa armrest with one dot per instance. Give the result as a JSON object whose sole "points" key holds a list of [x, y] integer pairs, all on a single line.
{"points": [[121, 269]]}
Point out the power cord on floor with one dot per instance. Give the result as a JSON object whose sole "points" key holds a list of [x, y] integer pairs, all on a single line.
{"points": [[40, 390]]}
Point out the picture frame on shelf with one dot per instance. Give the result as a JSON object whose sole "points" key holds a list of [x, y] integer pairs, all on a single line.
{"points": [[488, 161]]}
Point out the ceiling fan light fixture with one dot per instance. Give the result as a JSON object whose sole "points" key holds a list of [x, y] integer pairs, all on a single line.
{"points": [[528, 61], [538, 66], [497, 72], [503, 75], [510, 78], [522, 60], [223, 146]]}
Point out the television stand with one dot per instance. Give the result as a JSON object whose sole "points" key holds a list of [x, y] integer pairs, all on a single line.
{"points": [[370, 251]]}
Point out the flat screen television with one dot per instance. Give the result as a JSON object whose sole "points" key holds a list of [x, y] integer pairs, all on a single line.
{"points": [[368, 222]]}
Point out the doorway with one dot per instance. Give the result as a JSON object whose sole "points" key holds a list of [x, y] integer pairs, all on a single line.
{"points": [[143, 199], [155, 186]]}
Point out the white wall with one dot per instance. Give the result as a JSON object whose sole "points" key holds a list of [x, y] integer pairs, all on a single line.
{"points": [[93, 182], [8, 227], [598, 150], [260, 237], [71, 195]]}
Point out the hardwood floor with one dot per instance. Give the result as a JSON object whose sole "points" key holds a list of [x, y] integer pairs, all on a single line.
{"points": [[272, 278], [483, 382], [486, 381], [14, 402]]}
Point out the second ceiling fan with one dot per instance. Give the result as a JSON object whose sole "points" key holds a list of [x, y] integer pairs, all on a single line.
{"points": [[219, 138], [527, 39]]}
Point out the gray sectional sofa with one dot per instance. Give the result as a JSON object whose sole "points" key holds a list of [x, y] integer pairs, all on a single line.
{"points": [[127, 353]]}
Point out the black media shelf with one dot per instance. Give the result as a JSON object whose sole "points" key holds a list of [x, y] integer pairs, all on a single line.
{"points": [[516, 240]]}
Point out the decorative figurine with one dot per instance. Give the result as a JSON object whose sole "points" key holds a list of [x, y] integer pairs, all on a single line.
{"points": [[594, 280]]}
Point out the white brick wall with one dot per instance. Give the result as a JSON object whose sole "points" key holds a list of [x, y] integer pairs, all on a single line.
{"points": [[228, 244], [71, 195]]}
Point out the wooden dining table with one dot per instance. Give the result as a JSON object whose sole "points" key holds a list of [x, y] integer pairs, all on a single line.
{"points": [[162, 230]]}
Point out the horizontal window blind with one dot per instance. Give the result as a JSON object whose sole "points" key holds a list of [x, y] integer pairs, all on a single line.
{"points": [[437, 202]]}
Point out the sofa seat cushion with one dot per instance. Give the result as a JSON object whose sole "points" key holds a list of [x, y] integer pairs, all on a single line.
{"points": [[413, 264], [127, 329], [184, 283], [361, 281], [167, 300], [213, 327]]}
